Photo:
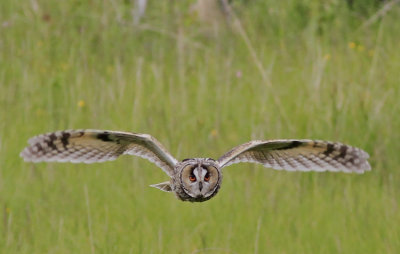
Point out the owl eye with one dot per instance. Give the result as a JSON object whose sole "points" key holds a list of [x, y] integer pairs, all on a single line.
{"points": [[207, 177], [192, 178]]}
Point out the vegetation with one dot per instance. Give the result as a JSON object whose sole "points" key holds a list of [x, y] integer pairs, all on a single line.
{"points": [[272, 69]]}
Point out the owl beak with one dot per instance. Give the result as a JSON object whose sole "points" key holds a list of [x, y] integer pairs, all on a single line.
{"points": [[200, 186]]}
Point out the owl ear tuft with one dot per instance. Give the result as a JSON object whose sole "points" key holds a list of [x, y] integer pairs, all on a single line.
{"points": [[165, 186]]}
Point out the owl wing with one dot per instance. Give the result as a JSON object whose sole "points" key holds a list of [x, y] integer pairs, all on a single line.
{"points": [[299, 155], [90, 146]]}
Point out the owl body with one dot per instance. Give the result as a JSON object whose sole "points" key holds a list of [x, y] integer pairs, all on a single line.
{"points": [[194, 179]]}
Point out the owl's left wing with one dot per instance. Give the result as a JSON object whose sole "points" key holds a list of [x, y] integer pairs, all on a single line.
{"points": [[91, 146], [299, 155]]}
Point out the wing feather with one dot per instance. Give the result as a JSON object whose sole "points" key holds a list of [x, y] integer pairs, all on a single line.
{"points": [[89, 146], [299, 155]]}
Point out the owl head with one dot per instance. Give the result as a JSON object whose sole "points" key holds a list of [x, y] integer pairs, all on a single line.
{"points": [[197, 179]]}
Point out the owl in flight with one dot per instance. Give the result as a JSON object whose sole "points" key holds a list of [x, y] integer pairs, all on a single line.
{"points": [[194, 179]]}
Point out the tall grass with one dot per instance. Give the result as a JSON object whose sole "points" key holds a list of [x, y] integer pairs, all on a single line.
{"points": [[316, 72]]}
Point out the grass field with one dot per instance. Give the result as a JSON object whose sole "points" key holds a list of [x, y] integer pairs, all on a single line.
{"points": [[276, 69]]}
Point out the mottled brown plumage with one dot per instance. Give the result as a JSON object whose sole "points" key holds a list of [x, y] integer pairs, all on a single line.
{"points": [[195, 179]]}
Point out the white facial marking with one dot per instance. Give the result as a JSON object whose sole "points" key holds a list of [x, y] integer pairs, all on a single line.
{"points": [[203, 173], [196, 174]]}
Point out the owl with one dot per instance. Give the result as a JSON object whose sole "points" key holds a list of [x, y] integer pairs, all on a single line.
{"points": [[194, 179]]}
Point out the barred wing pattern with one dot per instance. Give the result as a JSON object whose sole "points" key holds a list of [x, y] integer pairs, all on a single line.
{"points": [[91, 146], [299, 155]]}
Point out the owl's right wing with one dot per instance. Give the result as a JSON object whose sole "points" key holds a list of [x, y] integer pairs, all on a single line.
{"points": [[90, 146], [299, 155]]}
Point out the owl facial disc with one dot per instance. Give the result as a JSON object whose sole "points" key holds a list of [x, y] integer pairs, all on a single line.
{"points": [[199, 179]]}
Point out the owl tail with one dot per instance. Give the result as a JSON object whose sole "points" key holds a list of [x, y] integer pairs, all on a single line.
{"points": [[165, 186]]}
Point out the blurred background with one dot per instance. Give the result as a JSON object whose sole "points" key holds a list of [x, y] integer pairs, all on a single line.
{"points": [[201, 76]]}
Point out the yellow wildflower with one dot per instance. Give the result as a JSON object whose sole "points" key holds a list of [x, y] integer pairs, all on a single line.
{"points": [[81, 103], [327, 57], [352, 45]]}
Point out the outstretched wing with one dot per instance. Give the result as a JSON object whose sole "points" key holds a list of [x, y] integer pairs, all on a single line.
{"points": [[299, 155], [90, 146]]}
